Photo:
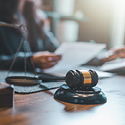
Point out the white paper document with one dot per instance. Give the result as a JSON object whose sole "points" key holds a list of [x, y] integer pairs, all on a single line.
{"points": [[75, 54], [114, 65]]}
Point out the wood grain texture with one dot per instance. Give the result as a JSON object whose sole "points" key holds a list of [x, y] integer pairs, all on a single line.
{"points": [[42, 109]]}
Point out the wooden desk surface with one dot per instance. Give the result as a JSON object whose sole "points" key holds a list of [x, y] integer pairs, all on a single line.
{"points": [[42, 109]]}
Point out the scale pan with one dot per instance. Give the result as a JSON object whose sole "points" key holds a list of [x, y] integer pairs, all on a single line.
{"points": [[23, 81]]}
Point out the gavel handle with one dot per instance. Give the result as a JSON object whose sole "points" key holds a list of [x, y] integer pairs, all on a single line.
{"points": [[50, 78]]}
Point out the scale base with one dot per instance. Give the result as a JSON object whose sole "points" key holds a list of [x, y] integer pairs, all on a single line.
{"points": [[84, 96]]}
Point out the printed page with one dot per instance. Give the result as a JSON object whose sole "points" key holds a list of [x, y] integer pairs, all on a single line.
{"points": [[113, 65], [75, 54]]}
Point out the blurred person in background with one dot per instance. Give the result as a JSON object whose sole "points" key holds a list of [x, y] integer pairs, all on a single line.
{"points": [[42, 41]]}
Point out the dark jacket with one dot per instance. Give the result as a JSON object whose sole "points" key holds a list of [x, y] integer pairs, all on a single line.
{"points": [[10, 39]]}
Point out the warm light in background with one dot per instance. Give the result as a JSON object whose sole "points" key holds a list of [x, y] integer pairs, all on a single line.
{"points": [[118, 23], [106, 21]]}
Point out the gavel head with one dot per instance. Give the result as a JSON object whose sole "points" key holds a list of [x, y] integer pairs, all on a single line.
{"points": [[77, 79]]}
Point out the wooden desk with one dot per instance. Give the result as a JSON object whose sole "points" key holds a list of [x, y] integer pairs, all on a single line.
{"points": [[42, 109]]}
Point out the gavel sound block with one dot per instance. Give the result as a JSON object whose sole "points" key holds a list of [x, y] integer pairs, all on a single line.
{"points": [[80, 88], [6, 95]]}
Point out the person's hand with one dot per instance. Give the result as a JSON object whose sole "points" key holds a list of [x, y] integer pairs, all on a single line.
{"points": [[119, 52], [113, 54], [45, 59]]}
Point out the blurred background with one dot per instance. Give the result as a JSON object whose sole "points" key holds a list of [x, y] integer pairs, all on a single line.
{"points": [[100, 21]]}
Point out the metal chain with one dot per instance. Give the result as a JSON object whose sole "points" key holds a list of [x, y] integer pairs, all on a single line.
{"points": [[15, 55], [25, 57], [24, 39], [31, 57]]}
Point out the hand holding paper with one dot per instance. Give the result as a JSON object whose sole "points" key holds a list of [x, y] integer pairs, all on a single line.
{"points": [[75, 54]]}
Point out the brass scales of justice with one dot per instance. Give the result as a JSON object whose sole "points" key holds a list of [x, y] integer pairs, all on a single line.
{"points": [[80, 85]]}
